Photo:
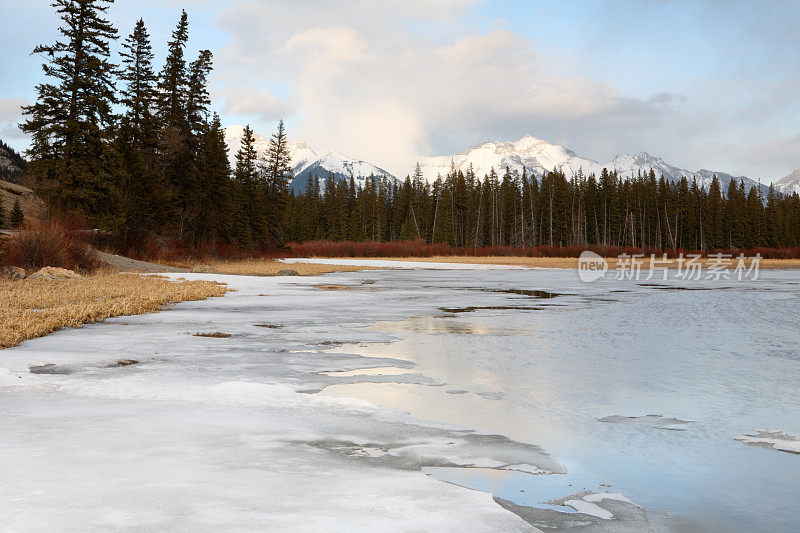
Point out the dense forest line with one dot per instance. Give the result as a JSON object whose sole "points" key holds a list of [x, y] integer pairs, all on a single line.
{"points": [[461, 210], [140, 155]]}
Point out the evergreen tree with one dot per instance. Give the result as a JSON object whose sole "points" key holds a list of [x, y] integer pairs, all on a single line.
{"points": [[173, 80], [244, 190], [276, 172], [138, 93], [143, 194], [70, 123], [2, 214], [17, 216], [197, 98], [214, 220]]}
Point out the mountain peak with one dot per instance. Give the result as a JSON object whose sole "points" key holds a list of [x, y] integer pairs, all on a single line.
{"points": [[306, 162], [790, 178], [536, 156]]}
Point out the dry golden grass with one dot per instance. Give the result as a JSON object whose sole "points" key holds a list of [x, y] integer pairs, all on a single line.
{"points": [[266, 267], [560, 262], [33, 308]]}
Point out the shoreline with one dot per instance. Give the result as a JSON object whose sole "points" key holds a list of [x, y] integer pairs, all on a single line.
{"points": [[565, 263]]}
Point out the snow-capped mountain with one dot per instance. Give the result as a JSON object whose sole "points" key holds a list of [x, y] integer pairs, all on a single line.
{"points": [[306, 162], [534, 155], [789, 184], [538, 156]]}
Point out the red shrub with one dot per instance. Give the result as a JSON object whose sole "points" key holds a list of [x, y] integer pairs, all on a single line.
{"points": [[56, 241], [418, 248]]}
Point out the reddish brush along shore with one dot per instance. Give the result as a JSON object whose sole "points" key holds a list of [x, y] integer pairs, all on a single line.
{"points": [[419, 248]]}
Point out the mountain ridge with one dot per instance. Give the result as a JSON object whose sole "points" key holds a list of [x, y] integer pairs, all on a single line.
{"points": [[536, 156], [530, 153]]}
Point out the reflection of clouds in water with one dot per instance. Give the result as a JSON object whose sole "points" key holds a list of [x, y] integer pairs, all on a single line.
{"points": [[439, 325]]}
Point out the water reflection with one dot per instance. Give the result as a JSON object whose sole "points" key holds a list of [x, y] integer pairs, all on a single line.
{"points": [[728, 360]]}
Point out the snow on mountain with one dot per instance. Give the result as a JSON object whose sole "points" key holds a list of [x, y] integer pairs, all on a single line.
{"points": [[306, 162], [789, 184], [534, 155], [342, 168], [538, 156]]}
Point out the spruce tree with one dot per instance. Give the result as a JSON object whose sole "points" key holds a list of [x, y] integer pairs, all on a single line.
{"points": [[70, 123], [143, 193], [215, 210], [138, 93], [244, 190], [197, 98], [17, 216], [177, 149], [276, 172], [173, 79]]}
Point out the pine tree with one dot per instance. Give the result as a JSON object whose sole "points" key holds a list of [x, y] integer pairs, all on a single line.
{"points": [[244, 190], [178, 142], [70, 123], [197, 98], [144, 196], [138, 93], [214, 219], [17, 216], [173, 80], [276, 172], [2, 214]]}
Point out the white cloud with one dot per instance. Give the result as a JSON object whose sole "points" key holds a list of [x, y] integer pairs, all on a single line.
{"points": [[10, 109], [10, 116], [246, 100], [326, 46], [389, 81]]}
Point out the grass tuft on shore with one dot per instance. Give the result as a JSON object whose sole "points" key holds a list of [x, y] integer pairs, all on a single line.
{"points": [[34, 308]]}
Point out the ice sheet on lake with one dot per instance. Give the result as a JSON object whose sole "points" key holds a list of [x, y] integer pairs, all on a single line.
{"points": [[215, 433], [607, 512], [656, 421], [773, 438], [585, 507]]}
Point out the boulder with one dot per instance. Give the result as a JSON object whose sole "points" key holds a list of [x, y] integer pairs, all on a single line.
{"points": [[287, 272], [202, 269], [13, 273], [53, 273]]}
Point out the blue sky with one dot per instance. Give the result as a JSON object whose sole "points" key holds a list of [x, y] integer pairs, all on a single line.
{"points": [[703, 84]]}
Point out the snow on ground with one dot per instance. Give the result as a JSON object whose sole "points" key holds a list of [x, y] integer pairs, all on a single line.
{"points": [[774, 438], [210, 433], [410, 265]]}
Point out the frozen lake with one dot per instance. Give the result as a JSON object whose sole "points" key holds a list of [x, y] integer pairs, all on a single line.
{"points": [[341, 402]]}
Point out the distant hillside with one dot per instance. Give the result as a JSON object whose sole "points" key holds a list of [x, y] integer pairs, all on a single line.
{"points": [[31, 205], [12, 165]]}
